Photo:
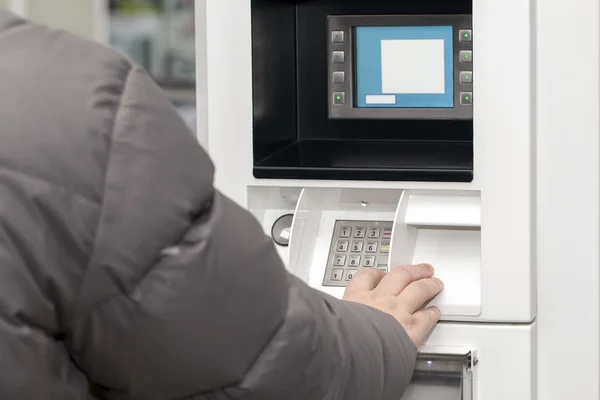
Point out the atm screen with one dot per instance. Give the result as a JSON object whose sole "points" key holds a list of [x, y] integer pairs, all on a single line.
{"points": [[417, 67], [404, 66]]}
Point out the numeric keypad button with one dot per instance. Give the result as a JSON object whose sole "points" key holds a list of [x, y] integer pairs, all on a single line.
{"points": [[357, 246], [350, 274], [345, 231], [371, 247], [369, 261], [342, 245], [339, 260], [337, 274], [354, 261], [360, 231], [374, 232]]}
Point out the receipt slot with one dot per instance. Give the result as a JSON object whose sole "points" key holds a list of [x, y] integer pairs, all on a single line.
{"points": [[391, 133]]}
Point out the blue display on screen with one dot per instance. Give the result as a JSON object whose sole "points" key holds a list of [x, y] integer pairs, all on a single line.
{"points": [[404, 67]]}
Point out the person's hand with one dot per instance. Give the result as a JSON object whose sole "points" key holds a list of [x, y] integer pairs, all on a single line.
{"points": [[402, 293]]}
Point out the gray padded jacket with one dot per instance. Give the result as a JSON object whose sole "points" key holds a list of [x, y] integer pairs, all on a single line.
{"points": [[119, 278]]}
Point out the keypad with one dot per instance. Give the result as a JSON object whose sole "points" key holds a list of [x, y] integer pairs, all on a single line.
{"points": [[356, 245]]}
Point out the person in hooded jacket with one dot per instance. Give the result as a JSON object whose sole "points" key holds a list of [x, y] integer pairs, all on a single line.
{"points": [[124, 273]]}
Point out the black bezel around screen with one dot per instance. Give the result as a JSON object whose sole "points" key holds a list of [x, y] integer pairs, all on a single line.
{"points": [[348, 23]]}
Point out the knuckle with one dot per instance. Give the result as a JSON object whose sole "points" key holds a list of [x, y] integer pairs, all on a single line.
{"points": [[423, 285], [414, 272], [365, 273], [422, 319], [436, 313], [402, 269], [431, 314], [432, 286], [410, 321], [357, 279], [372, 296], [403, 273]]}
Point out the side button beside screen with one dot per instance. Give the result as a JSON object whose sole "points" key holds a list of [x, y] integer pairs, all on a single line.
{"points": [[337, 37], [466, 77], [465, 35], [466, 98], [339, 98], [466, 56], [339, 77], [338, 57]]}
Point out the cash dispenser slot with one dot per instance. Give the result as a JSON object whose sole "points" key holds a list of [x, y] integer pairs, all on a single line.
{"points": [[332, 98], [442, 376]]}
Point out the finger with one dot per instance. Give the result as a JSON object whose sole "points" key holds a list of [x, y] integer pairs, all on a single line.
{"points": [[425, 321], [418, 293], [399, 278], [364, 280]]}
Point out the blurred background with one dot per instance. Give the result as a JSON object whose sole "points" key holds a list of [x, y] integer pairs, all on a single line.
{"points": [[157, 34]]}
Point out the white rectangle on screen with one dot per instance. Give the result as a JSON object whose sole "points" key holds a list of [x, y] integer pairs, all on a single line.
{"points": [[380, 99], [412, 66]]}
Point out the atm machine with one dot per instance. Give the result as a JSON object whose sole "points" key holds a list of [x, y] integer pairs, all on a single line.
{"points": [[373, 133]]}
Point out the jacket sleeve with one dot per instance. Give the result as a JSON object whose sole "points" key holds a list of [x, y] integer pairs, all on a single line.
{"points": [[185, 296]]}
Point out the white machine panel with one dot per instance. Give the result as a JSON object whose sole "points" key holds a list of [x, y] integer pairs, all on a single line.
{"points": [[479, 236], [442, 228], [502, 185]]}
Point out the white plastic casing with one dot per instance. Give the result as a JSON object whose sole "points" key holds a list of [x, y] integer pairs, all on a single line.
{"points": [[534, 196], [500, 194]]}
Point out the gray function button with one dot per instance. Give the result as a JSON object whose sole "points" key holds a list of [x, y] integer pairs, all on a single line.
{"points": [[369, 261], [345, 231], [374, 232], [338, 57], [337, 37], [337, 274], [382, 263], [350, 274], [359, 232], [385, 246], [387, 233], [342, 245], [357, 246], [466, 56], [339, 260], [371, 247], [465, 35], [354, 261], [339, 77], [466, 98], [466, 77], [339, 98]]}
